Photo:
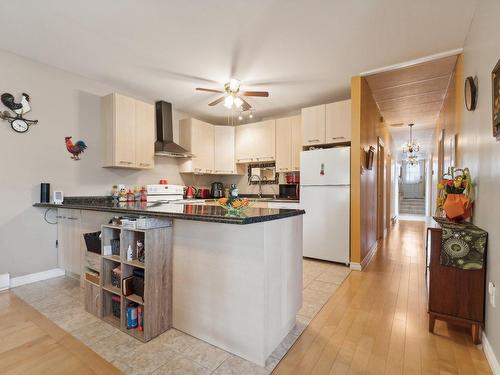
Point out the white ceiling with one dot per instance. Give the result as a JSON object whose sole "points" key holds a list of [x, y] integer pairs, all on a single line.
{"points": [[413, 94], [302, 52]]}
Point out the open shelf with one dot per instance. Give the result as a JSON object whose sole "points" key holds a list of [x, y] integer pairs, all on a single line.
{"points": [[135, 298], [134, 263], [113, 289], [114, 258], [111, 319], [136, 333]]}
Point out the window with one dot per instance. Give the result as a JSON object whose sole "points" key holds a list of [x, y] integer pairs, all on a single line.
{"points": [[413, 173]]}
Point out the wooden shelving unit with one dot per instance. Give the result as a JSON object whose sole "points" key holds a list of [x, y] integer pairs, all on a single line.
{"points": [[157, 267]]}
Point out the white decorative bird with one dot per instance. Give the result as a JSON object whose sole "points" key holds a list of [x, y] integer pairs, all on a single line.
{"points": [[18, 108]]}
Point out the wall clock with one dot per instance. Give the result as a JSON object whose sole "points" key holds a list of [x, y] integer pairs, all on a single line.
{"points": [[470, 93]]}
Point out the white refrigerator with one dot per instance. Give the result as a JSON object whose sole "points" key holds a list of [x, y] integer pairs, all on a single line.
{"points": [[325, 178]]}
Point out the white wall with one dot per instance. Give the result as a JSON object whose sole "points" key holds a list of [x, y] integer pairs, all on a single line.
{"points": [[480, 151], [65, 105]]}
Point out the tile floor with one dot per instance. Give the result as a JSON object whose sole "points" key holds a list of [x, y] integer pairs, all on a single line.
{"points": [[174, 352]]}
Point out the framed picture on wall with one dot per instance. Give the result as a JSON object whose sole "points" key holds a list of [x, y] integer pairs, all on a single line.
{"points": [[495, 83]]}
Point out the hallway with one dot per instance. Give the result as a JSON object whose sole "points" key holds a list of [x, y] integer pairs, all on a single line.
{"points": [[376, 322]]}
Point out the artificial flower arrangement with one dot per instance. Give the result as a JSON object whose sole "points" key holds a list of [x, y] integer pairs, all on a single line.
{"points": [[455, 194], [234, 206]]}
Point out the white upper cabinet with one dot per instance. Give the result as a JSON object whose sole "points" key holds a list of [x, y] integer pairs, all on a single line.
{"points": [[288, 143], [256, 142], [144, 135], [296, 122], [284, 144], [313, 125], [338, 122], [128, 126], [224, 150], [326, 123], [199, 138]]}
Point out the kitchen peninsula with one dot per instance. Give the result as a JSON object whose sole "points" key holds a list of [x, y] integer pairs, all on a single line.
{"points": [[237, 281]]}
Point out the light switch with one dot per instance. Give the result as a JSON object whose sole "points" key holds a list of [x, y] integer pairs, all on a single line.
{"points": [[492, 293]]}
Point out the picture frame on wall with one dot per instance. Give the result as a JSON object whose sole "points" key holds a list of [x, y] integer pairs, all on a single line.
{"points": [[495, 83], [369, 158]]}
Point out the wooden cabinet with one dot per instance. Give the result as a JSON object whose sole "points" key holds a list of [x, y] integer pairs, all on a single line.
{"points": [[68, 241], [326, 123], [224, 162], [128, 126], [338, 122], [455, 295], [256, 142], [296, 142], [288, 144], [93, 299], [199, 138], [313, 125]]}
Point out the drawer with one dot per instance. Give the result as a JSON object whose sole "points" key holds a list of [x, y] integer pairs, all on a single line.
{"points": [[93, 261]]}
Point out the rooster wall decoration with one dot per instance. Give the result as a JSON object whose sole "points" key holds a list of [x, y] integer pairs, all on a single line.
{"points": [[75, 148], [16, 120]]}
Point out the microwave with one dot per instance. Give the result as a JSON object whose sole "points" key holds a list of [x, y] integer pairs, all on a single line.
{"points": [[289, 191]]}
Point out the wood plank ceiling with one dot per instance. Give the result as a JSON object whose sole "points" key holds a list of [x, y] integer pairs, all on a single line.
{"points": [[413, 94]]}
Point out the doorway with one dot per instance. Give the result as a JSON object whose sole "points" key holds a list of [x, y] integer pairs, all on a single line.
{"points": [[381, 189]]}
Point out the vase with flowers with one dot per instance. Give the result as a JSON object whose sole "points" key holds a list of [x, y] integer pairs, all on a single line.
{"points": [[455, 195]]}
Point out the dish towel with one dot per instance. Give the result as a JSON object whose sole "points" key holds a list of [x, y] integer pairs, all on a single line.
{"points": [[463, 245]]}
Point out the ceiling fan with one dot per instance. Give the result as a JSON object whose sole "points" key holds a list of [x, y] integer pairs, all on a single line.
{"points": [[233, 96]]}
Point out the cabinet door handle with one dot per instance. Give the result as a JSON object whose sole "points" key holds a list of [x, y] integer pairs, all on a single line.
{"points": [[60, 217], [145, 164], [313, 140], [338, 137], [283, 169], [125, 162], [72, 218], [197, 169], [97, 301]]}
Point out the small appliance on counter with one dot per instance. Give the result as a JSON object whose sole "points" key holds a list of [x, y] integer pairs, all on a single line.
{"points": [[289, 191], [58, 197], [44, 192], [190, 192], [203, 193], [217, 190]]}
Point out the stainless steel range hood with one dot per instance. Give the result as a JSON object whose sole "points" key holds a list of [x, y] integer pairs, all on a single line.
{"points": [[165, 145]]}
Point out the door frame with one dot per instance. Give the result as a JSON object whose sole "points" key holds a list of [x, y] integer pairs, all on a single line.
{"points": [[380, 188]]}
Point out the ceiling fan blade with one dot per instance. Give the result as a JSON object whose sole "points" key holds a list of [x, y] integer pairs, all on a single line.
{"points": [[209, 90], [215, 102], [245, 106], [264, 94]]}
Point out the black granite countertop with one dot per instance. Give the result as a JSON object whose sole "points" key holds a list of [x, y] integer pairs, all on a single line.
{"points": [[198, 212]]}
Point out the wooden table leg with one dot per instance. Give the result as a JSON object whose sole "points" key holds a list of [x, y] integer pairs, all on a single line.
{"points": [[432, 321], [476, 334]]}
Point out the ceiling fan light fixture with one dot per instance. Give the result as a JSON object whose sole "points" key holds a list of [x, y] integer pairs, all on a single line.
{"points": [[237, 102], [234, 85], [229, 101]]}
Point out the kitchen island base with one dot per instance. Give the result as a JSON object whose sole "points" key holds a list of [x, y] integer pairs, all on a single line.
{"points": [[238, 287]]}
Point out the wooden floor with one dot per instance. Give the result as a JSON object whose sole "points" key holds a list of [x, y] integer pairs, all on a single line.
{"points": [[376, 322], [32, 344]]}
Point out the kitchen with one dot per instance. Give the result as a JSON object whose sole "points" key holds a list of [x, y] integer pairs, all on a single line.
{"points": [[263, 182]]}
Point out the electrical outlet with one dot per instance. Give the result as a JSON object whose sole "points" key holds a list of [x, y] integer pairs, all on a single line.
{"points": [[492, 293]]}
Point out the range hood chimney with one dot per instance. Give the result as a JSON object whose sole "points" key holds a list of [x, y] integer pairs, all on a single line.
{"points": [[165, 145]]}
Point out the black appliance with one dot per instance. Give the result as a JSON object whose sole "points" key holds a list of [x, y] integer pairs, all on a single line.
{"points": [[289, 191], [217, 190], [165, 144], [44, 192]]}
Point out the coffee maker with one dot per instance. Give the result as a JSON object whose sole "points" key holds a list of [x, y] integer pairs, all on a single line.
{"points": [[217, 190]]}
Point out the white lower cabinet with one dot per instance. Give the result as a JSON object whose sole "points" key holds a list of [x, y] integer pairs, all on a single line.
{"points": [[69, 256]]}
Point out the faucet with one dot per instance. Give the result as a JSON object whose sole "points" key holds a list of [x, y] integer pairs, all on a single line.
{"points": [[260, 183]]}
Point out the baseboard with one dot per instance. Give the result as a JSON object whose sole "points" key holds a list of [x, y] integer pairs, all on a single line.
{"points": [[490, 356], [4, 281], [367, 259], [34, 277]]}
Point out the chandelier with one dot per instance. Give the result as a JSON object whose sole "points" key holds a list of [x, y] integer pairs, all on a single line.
{"points": [[412, 159], [411, 147]]}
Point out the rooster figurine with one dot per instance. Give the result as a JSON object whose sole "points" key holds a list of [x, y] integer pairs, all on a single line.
{"points": [[18, 108], [75, 148]]}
